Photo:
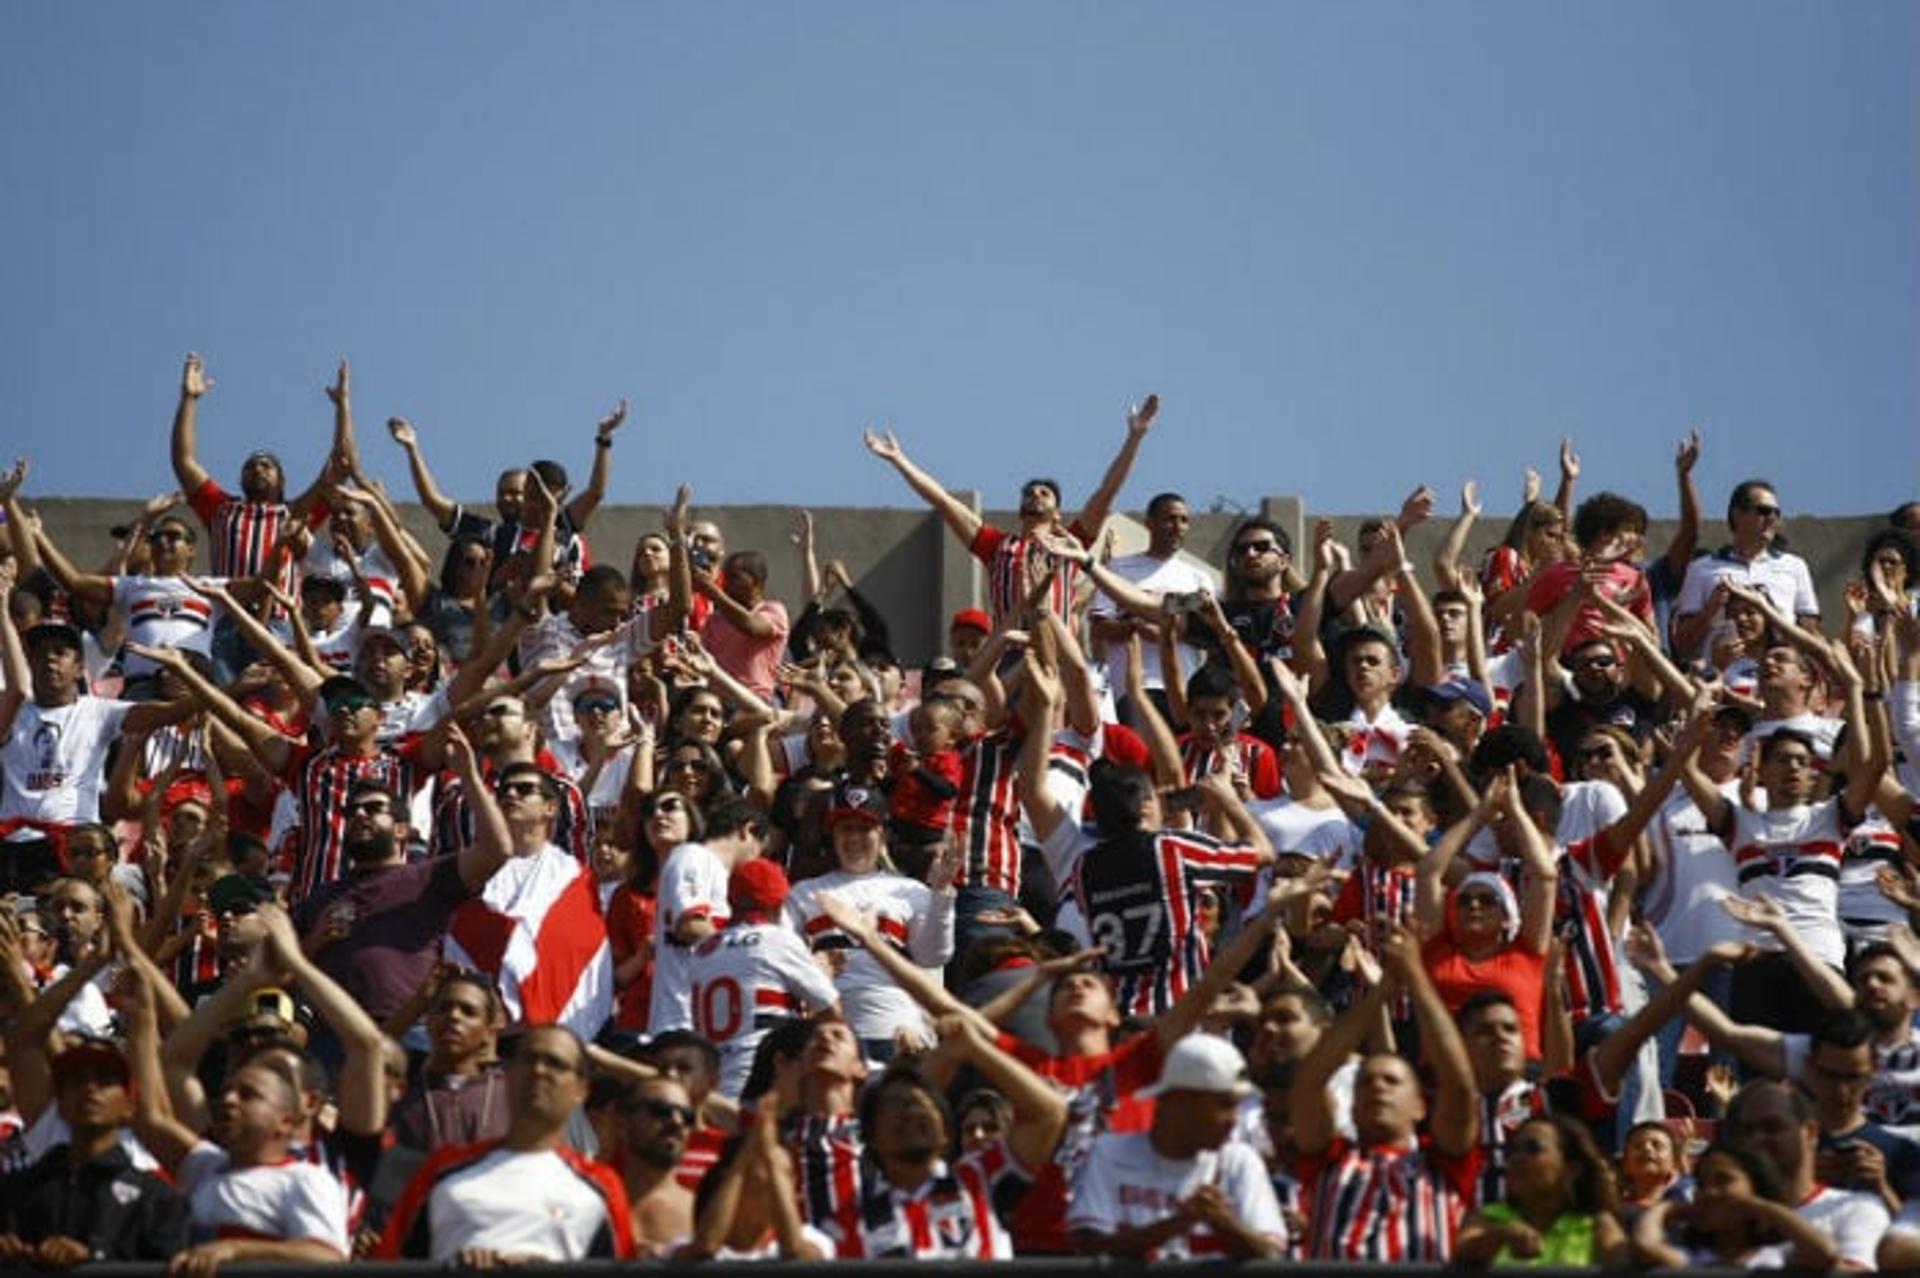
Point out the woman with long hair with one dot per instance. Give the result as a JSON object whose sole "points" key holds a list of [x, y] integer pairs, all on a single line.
{"points": [[667, 819], [1559, 1205], [1739, 1219]]}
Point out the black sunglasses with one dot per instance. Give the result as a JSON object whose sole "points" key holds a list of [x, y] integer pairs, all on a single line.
{"points": [[661, 1111]]}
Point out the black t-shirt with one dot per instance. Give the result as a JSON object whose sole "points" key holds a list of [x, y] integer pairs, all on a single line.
{"points": [[1571, 719]]}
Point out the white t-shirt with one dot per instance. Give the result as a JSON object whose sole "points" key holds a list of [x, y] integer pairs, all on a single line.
{"points": [[1855, 1221], [292, 1200], [556, 636], [1292, 826], [1378, 742], [1782, 577], [693, 884], [911, 916], [743, 981], [1174, 575], [53, 764], [1124, 1184], [382, 577], [163, 612], [1793, 855], [518, 1203], [1821, 730], [1692, 873]]}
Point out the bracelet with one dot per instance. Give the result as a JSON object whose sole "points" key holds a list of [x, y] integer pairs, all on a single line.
{"points": [[603, 441]]}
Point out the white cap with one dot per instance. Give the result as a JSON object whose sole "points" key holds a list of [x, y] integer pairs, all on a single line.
{"points": [[1203, 1063]]}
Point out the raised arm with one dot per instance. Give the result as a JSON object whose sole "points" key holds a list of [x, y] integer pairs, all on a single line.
{"points": [[1246, 671], [304, 677], [194, 383], [1763, 913], [167, 1138], [1039, 1109], [1232, 958], [1454, 1117], [344, 456], [1430, 880], [1757, 1046], [1140, 418], [360, 1085], [581, 508], [1042, 807], [1446, 560], [1614, 1055], [1315, 1119], [492, 841], [1542, 875], [273, 750], [1569, 478], [1686, 538], [964, 523], [1645, 804], [1163, 748], [438, 504], [16, 678]]}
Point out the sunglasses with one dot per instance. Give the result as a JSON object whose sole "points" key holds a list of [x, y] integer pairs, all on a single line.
{"points": [[663, 1111], [1764, 511], [595, 705], [522, 789], [166, 534], [673, 803], [503, 710], [689, 764]]}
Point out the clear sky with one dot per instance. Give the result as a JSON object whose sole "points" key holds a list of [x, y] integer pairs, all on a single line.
{"points": [[1353, 246]]}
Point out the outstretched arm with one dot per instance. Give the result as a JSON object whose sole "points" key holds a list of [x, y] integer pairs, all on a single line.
{"points": [[273, 750], [1226, 965], [1446, 560], [964, 523], [1139, 421], [438, 504], [16, 679], [1039, 1109], [1455, 1115], [1687, 536], [1043, 808], [1315, 1121], [581, 508], [194, 383]]}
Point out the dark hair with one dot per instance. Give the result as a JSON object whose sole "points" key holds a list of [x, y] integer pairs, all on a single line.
{"points": [[1843, 1027], [696, 830], [1508, 743], [1654, 1125], [981, 1098], [733, 815], [525, 768], [369, 785], [750, 562], [1312, 1001], [1212, 681], [1878, 950], [1450, 596], [786, 1039], [1540, 793], [1051, 485], [552, 474], [898, 1075], [1905, 515], [667, 1040], [1479, 1001], [684, 697], [1748, 1096], [1605, 513], [474, 978], [1787, 736], [450, 567], [1742, 495], [1902, 545], [1160, 501], [600, 579], [1758, 1165], [1118, 794], [1409, 789], [1590, 1180]]}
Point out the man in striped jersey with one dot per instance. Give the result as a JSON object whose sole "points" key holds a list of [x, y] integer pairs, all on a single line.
{"points": [[1016, 562]]}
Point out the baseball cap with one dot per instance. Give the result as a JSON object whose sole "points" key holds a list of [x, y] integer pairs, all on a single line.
{"points": [[973, 619], [757, 885], [237, 892], [271, 1000], [1203, 1063], [344, 688], [856, 803], [596, 687], [1370, 630], [91, 1052], [323, 581], [1471, 691], [938, 671]]}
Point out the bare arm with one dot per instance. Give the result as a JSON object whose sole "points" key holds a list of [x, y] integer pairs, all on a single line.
{"points": [[167, 1138], [18, 678], [964, 523], [1163, 750], [1687, 537], [273, 750], [1314, 1119], [1446, 560], [1226, 965], [1043, 809], [438, 504], [1760, 1048], [1039, 1109], [360, 1085], [1569, 477], [581, 508], [1140, 419], [194, 383]]}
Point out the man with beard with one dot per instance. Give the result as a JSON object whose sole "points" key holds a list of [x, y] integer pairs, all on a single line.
{"points": [[506, 734], [658, 1116], [378, 930], [527, 1197]]}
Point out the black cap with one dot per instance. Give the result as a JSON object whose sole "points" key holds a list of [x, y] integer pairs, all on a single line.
{"points": [[64, 633], [856, 803], [237, 892]]}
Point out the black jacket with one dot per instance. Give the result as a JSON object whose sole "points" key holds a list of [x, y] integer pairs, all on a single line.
{"points": [[120, 1213]]}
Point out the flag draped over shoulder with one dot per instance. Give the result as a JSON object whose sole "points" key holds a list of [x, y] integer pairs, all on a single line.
{"points": [[537, 930]]}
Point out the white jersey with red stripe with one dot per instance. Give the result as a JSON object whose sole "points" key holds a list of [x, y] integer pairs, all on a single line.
{"points": [[163, 612], [955, 1214], [745, 980], [1125, 1185], [1864, 908], [292, 1200], [693, 885], [912, 917], [1793, 855]]}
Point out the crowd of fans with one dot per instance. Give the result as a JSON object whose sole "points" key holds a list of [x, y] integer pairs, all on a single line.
{"points": [[1555, 907]]}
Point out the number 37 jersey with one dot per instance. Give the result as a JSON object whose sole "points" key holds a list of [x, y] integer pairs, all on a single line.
{"points": [[746, 979], [1139, 895]]}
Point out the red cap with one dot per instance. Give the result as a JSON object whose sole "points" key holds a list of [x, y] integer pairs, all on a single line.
{"points": [[972, 618], [756, 887]]}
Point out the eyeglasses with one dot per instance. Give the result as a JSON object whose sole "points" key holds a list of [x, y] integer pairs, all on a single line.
{"points": [[165, 534], [369, 807], [595, 705], [522, 789], [672, 803], [663, 1111], [500, 710], [1256, 547], [1763, 510]]}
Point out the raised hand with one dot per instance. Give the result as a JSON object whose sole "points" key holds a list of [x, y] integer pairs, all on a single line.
{"points": [[194, 381], [1470, 498], [1688, 454], [802, 534], [857, 921], [341, 390], [402, 431], [1529, 486], [12, 478], [160, 504], [1417, 508], [1569, 461], [883, 445], [611, 422], [1140, 416], [946, 866], [677, 513], [1643, 948]]}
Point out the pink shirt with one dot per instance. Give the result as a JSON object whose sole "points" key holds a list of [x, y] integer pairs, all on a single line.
{"points": [[752, 661]]}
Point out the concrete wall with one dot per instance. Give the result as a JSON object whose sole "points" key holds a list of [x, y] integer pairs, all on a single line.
{"points": [[917, 573]]}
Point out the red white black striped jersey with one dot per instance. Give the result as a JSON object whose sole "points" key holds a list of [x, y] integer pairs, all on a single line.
{"points": [[953, 1215], [1136, 893], [1014, 563], [320, 780], [162, 612], [747, 979], [1257, 759], [453, 815], [242, 535], [1500, 1117], [912, 917], [986, 813], [1580, 913], [1381, 896], [1386, 1203], [826, 1159]]}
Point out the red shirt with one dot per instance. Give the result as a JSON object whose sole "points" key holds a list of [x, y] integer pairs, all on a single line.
{"points": [[630, 916], [1625, 585], [1515, 971]]}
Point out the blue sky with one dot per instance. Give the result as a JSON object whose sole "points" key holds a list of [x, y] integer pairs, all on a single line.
{"points": [[1353, 246]]}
